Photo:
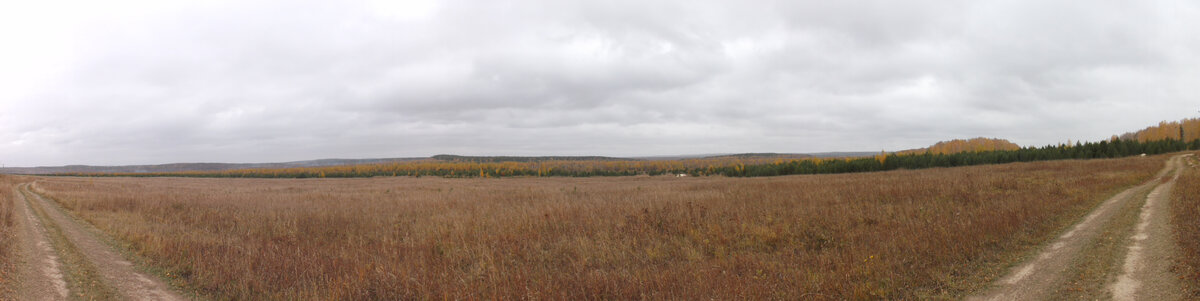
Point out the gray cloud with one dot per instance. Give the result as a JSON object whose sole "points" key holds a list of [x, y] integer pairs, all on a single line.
{"points": [[242, 81]]}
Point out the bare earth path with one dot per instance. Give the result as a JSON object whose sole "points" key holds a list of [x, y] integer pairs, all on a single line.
{"points": [[40, 275], [1146, 275], [114, 270]]}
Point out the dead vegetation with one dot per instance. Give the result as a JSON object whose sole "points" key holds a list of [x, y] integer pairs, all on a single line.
{"points": [[934, 233]]}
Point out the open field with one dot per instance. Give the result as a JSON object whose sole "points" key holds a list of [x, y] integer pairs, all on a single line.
{"points": [[927, 233]]}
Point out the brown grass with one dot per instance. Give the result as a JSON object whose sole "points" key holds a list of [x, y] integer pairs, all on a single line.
{"points": [[935, 233], [7, 233], [1185, 208]]}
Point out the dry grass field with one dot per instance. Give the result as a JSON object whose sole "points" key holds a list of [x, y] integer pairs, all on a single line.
{"points": [[934, 233], [1185, 207]]}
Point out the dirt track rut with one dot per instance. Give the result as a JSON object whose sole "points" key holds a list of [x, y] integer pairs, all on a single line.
{"points": [[1145, 274], [40, 275], [115, 271], [1146, 271]]}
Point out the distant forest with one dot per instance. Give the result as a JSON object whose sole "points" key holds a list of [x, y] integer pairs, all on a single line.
{"points": [[962, 146], [1187, 129], [1164, 138], [497, 159], [1090, 150]]}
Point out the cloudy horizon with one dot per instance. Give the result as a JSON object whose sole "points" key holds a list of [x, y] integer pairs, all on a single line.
{"points": [[151, 82]]}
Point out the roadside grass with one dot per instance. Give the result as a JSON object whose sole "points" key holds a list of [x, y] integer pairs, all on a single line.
{"points": [[7, 236], [83, 279], [1185, 208], [909, 234]]}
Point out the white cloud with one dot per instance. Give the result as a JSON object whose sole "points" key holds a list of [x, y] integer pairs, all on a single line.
{"points": [[123, 82]]}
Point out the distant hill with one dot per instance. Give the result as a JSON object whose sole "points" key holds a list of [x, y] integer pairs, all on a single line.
{"points": [[843, 154], [969, 145], [760, 156], [177, 167], [214, 167], [765, 155], [493, 159]]}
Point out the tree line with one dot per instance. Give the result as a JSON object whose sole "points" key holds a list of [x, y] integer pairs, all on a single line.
{"points": [[726, 166], [1187, 129], [968, 145]]}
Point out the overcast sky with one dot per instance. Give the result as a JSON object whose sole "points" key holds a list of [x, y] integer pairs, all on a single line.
{"points": [[146, 82]]}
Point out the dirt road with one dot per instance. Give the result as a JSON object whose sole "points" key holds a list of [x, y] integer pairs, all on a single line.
{"points": [[40, 275], [1145, 273], [55, 245]]}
